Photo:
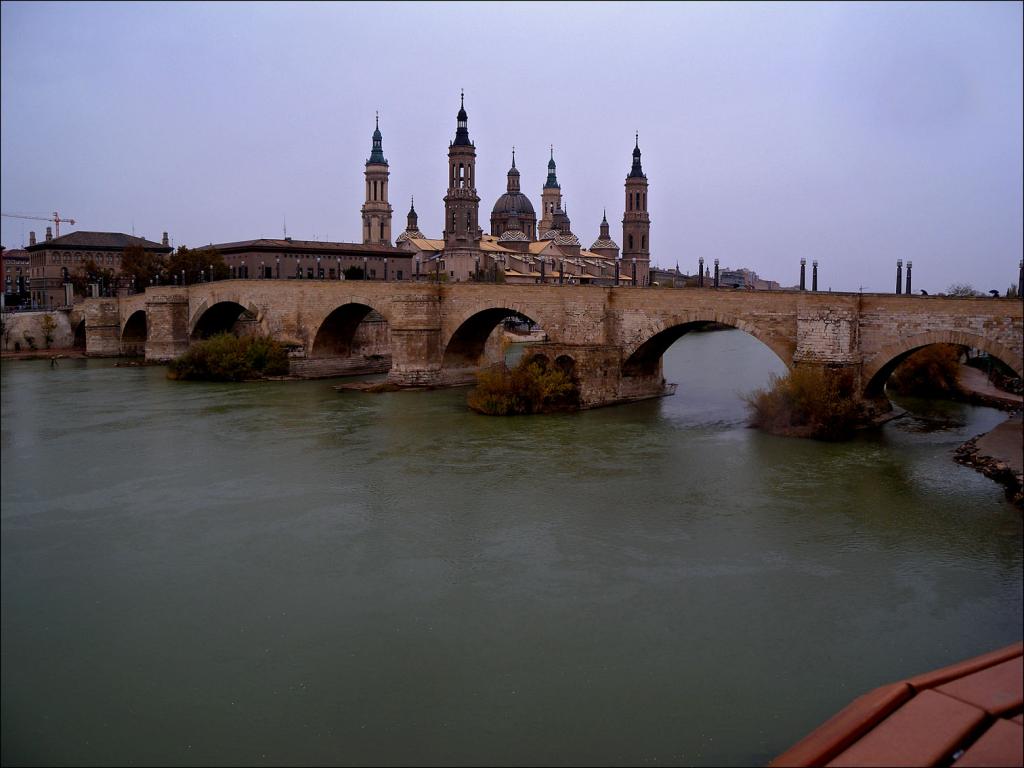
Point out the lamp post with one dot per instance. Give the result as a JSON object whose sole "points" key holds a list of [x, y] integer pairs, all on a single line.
{"points": [[476, 268], [385, 269], [634, 271], [183, 277], [700, 272], [561, 271], [910, 266], [277, 259], [716, 273], [339, 267], [803, 272], [617, 260], [366, 271], [417, 267], [899, 276], [814, 275], [319, 269]]}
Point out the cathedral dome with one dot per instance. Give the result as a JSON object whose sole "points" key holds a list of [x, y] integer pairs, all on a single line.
{"points": [[513, 201], [513, 235]]}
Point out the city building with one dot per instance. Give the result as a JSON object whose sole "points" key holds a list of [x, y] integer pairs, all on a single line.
{"points": [[520, 248], [54, 260], [14, 274], [288, 259]]}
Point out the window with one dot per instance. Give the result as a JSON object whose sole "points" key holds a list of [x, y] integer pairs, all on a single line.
{"points": [[631, 242], [629, 202], [399, 274], [382, 230], [643, 242]]}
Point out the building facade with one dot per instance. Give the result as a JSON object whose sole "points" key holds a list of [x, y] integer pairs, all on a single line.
{"points": [[56, 259]]}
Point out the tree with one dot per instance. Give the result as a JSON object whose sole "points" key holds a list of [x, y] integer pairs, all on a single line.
{"points": [[141, 265], [48, 326], [1013, 292], [196, 264], [961, 289], [353, 273], [90, 272]]}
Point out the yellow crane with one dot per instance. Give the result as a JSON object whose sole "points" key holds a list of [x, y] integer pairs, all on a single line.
{"points": [[56, 219]]}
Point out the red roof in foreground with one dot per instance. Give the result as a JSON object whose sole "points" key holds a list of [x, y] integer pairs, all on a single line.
{"points": [[969, 714]]}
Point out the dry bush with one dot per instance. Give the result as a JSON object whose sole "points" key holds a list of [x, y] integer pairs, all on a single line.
{"points": [[530, 387], [226, 357], [808, 402]]}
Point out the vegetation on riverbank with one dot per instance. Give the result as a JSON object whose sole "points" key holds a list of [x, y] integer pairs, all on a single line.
{"points": [[532, 386], [929, 372], [225, 357], [808, 402]]}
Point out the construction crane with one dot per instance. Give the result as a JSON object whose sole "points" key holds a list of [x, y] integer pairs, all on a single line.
{"points": [[56, 219]]}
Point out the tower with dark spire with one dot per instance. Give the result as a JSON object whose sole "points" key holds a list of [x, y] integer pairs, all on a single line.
{"points": [[636, 222], [377, 210], [550, 197], [462, 231]]}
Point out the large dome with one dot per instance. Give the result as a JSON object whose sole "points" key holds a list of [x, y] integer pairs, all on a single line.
{"points": [[518, 202]]}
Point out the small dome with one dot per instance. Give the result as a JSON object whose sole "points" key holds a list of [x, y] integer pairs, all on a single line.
{"points": [[512, 235], [519, 203], [603, 243], [566, 238], [551, 234]]}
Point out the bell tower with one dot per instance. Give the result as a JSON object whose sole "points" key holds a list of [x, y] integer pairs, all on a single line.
{"points": [[636, 223], [461, 204], [377, 209], [550, 198]]}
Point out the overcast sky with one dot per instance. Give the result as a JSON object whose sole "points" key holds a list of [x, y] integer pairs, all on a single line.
{"points": [[854, 134]]}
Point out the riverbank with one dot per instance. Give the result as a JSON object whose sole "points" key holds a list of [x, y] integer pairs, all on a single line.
{"points": [[43, 354], [997, 455], [980, 391]]}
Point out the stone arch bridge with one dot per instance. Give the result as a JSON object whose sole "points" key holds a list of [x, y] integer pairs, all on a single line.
{"points": [[429, 334]]}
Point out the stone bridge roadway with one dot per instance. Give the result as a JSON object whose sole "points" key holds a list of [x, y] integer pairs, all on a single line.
{"points": [[615, 337]]}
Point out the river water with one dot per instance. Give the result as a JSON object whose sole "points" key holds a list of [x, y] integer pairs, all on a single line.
{"points": [[278, 573]]}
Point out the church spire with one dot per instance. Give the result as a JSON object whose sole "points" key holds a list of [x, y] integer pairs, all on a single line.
{"points": [[636, 170], [513, 176], [552, 182], [462, 123], [377, 153]]}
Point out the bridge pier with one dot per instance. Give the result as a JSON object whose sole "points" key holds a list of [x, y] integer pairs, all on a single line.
{"points": [[597, 370], [102, 328], [167, 320]]}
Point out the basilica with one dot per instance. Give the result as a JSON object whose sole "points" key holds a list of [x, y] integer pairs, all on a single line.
{"points": [[518, 248]]}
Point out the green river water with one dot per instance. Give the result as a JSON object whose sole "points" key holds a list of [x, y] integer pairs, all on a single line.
{"points": [[276, 573]]}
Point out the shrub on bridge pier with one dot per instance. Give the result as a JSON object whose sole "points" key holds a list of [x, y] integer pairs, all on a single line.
{"points": [[808, 402], [530, 387], [231, 358]]}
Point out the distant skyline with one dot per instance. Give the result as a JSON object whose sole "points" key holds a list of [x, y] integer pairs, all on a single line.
{"points": [[854, 134]]}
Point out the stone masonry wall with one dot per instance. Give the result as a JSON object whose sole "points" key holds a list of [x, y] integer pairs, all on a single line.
{"points": [[18, 324]]}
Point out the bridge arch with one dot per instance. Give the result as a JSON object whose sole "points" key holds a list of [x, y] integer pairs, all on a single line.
{"points": [[134, 333], [643, 358], [221, 317], [340, 332], [876, 371], [466, 345]]}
